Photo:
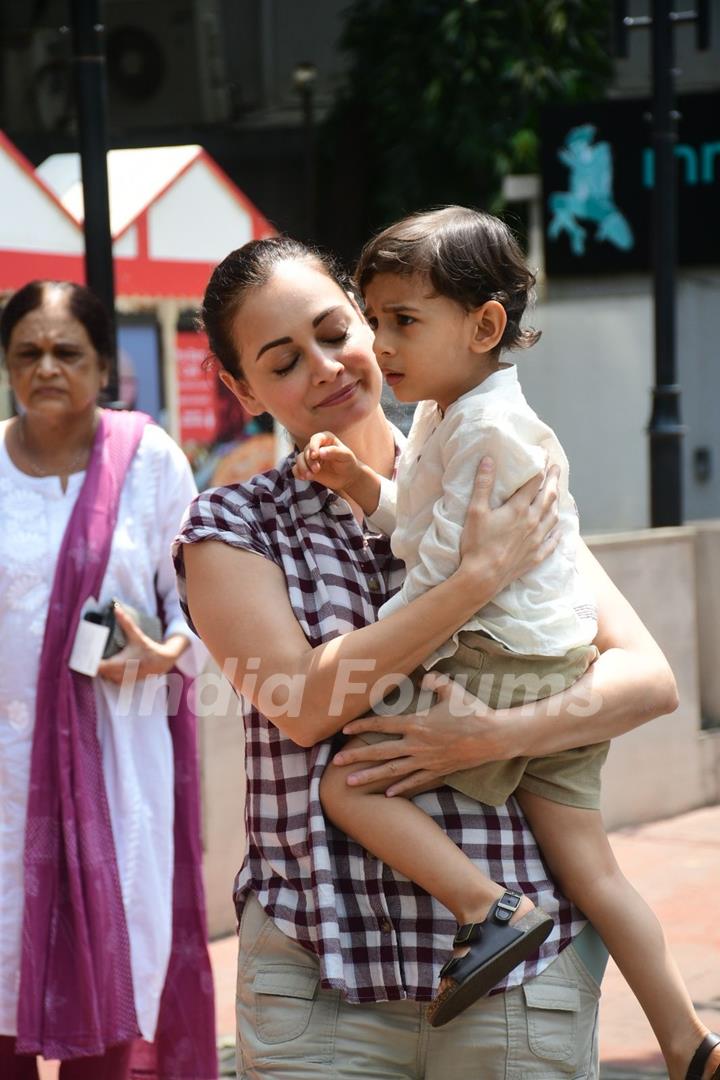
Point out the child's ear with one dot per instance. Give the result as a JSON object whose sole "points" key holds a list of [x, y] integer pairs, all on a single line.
{"points": [[241, 390], [488, 326]]}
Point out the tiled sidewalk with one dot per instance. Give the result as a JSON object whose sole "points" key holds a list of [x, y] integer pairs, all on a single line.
{"points": [[675, 864]]}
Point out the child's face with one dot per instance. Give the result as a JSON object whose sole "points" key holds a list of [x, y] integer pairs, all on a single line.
{"points": [[423, 343]]}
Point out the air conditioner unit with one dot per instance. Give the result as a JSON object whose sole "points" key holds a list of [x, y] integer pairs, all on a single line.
{"points": [[37, 88], [164, 63], [165, 67]]}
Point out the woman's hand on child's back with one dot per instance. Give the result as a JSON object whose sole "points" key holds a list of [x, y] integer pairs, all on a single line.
{"points": [[503, 544], [328, 461]]}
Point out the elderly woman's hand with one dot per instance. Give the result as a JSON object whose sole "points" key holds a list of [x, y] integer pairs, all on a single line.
{"points": [[457, 732], [149, 657]]}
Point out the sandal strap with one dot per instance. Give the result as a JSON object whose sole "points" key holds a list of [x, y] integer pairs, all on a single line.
{"points": [[468, 933], [501, 911], [699, 1059]]}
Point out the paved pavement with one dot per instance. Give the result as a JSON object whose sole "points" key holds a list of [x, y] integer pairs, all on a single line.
{"points": [[675, 864]]}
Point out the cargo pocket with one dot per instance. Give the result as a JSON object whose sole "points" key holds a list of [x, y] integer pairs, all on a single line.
{"points": [[552, 1019], [284, 1000]]}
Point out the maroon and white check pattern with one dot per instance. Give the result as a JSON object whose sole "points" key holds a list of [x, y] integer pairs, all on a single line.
{"points": [[378, 937]]}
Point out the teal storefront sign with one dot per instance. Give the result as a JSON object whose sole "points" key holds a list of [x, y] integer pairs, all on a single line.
{"points": [[598, 171]]}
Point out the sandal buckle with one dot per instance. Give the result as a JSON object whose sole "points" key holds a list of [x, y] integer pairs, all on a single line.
{"points": [[507, 905]]}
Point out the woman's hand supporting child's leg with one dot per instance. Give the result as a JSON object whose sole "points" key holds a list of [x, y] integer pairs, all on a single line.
{"points": [[578, 853]]}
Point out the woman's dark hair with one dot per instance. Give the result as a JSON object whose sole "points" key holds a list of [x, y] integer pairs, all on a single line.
{"points": [[82, 304], [468, 256], [250, 267]]}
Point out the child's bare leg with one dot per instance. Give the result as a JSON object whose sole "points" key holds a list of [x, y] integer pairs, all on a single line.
{"points": [[578, 853], [406, 838]]}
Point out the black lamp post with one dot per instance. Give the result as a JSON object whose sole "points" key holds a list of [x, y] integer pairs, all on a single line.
{"points": [[665, 430], [90, 92], [304, 78]]}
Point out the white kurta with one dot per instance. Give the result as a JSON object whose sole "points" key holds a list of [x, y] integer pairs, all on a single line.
{"points": [[134, 735], [548, 611]]}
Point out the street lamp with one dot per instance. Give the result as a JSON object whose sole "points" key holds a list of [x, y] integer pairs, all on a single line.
{"points": [[304, 79], [90, 92], [665, 430]]}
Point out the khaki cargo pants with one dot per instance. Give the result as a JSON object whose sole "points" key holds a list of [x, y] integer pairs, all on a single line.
{"points": [[288, 1028]]}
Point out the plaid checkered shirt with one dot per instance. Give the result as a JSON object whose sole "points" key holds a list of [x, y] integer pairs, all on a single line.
{"points": [[377, 936]]}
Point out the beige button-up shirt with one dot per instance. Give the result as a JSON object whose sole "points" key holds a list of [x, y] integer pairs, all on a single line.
{"points": [[546, 612]]}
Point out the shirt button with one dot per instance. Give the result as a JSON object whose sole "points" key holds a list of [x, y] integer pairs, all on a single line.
{"points": [[374, 584], [386, 926]]}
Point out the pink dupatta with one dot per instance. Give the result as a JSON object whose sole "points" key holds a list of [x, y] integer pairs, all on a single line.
{"points": [[76, 994]]}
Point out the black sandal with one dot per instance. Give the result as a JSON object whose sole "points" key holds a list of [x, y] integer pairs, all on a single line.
{"points": [[495, 949], [700, 1058]]}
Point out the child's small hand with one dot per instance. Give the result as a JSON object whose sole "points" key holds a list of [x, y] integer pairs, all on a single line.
{"points": [[328, 461]]}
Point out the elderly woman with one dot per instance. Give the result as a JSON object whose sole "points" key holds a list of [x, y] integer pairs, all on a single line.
{"points": [[101, 920], [283, 580]]}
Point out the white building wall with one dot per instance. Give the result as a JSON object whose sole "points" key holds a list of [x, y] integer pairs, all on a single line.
{"points": [[699, 375], [198, 218], [29, 219], [591, 376]]}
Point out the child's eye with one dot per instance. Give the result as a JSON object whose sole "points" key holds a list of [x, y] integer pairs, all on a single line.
{"points": [[372, 322], [288, 367], [405, 320]]}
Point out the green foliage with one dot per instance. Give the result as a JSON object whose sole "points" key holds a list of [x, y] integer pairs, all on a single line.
{"points": [[445, 94]]}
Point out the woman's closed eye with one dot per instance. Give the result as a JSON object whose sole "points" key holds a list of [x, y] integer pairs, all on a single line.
{"points": [[289, 362], [288, 366], [337, 339]]}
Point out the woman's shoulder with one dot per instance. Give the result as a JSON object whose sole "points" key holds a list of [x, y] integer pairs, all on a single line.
{"points": [[237, 510], [244, 516]]}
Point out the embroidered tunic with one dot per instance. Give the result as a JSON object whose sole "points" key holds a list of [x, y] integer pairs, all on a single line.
{"points": [[134, 735]]}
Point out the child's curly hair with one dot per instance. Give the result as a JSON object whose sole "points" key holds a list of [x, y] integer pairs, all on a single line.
{"points": [[467, 255]]}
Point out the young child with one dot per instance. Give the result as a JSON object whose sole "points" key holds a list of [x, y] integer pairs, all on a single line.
{"points": [[445, 293]]}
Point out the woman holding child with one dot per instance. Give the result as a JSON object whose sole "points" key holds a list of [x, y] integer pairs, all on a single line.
{"points": [[338, 951]]}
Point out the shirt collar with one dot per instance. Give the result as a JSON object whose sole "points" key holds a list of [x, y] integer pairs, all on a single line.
{"points": [[504, 380]]}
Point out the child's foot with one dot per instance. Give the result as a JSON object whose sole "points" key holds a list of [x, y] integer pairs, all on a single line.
{"points": [[478, 915], [490, 945]]}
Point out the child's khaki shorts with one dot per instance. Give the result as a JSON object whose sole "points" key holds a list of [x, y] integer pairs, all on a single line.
{"points": [[503, 679]]}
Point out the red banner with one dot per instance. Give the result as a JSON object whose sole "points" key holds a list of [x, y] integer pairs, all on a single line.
{"points": [[196, 390]]}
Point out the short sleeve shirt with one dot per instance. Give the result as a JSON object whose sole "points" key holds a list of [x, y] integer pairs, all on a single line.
{"points": [[377, 936]]}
